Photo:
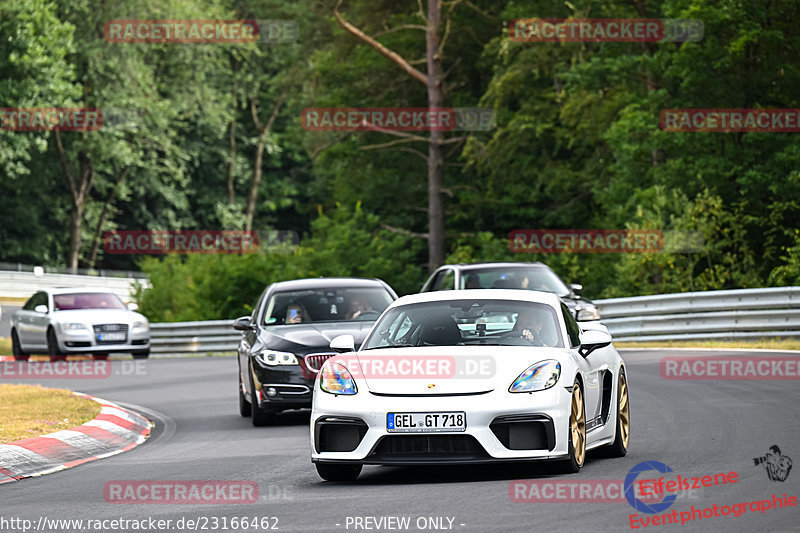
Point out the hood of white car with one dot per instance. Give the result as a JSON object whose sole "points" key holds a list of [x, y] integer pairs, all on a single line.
{"points": [[443, 370], [97, 316]]}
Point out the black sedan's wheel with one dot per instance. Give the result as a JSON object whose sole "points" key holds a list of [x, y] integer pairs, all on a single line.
{"points": [[16, 348], [620, 445], [244, 405], [338, 472], [577, 431], [52, 347]]}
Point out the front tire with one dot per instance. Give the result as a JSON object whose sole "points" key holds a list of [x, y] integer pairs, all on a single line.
{"points": [[577, 432], [619, 448], [338, 472], [245, 407], [16, 348], [52, 347], [141, 354]]}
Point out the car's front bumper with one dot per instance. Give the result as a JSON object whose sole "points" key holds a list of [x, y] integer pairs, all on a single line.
{"points": [[85, 341], [282, 387], [478, 443]]}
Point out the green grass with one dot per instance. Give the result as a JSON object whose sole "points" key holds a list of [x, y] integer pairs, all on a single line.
{"points": [[30, 411]]}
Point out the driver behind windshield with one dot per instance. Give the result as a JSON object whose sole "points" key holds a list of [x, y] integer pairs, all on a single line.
{"points": [[358, 306], [529, 327]]}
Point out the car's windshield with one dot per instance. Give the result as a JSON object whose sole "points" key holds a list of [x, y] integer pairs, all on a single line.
{"points": [[465, 322], [87, 300], [532, 278], [326, 305]]}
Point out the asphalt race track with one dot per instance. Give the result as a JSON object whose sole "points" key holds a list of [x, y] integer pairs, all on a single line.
{"points": [[695, 427]]}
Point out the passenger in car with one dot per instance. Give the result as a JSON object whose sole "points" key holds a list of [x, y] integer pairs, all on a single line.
{"points": [[296, 314]]}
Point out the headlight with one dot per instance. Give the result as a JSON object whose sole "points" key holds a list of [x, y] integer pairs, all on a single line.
{"points": [[539, 376], [72, 326], [276, 358], [140, 324], [588, 313], [336, 379]]}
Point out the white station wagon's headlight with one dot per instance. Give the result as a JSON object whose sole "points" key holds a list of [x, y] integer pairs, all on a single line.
{"points": [[141, 324], [271, 358], [73, 326], [539, 376], [336, 379]]}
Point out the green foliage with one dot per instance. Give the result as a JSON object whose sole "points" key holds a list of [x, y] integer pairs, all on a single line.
{"points": [[577, 144]]}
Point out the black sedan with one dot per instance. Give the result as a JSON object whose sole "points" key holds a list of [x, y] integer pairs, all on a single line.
{"points": [[531, 276], [286, 339]]}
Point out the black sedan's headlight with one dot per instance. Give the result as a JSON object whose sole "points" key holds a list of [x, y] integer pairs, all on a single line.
{"points": [[273, 358], [586, 313]]}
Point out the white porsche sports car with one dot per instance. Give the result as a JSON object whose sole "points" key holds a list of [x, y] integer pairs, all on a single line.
{"points": [[468, 377]]}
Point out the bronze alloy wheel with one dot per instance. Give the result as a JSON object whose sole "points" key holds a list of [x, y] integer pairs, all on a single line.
{"points": [[577, 425], [624, 411]]}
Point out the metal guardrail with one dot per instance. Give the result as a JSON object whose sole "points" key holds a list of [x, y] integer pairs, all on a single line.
{"points": [[21, 285], [185, 338], [742, 313], [733, 314]]}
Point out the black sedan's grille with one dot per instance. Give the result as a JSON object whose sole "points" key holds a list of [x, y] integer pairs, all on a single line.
{"points": [[101, 330]]}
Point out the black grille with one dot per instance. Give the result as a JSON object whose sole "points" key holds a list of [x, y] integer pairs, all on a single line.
{"points": [[111, 328], [525, 432], [428, 447], [339, 434]]}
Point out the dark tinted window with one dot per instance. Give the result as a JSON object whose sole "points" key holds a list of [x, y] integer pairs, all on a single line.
{"points": [[326, 305], [87, 300], [573, 330], [530, 278]]}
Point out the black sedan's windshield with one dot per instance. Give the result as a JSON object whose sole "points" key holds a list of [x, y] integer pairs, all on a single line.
{"points": [[465, 322], [326, 305]]}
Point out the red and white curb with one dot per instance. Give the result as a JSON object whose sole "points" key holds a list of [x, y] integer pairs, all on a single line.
{"points": [[114, 430]]}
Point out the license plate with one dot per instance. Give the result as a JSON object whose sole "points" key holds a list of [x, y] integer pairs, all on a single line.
{"points": [[118, 336], [426, 422]]}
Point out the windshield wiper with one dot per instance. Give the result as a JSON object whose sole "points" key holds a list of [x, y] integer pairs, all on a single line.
{"points": [[391, 346]]}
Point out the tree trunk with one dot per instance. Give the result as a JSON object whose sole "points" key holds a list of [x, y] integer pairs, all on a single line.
{"points": [[103, 215], [78, 192], [435, 158], [251, 199]]}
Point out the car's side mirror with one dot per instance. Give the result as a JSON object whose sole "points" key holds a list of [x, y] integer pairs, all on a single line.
{"points": [[133, 306], [242, 324], [41, 309], [576, 288], [591, 340], [343, 343]]}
